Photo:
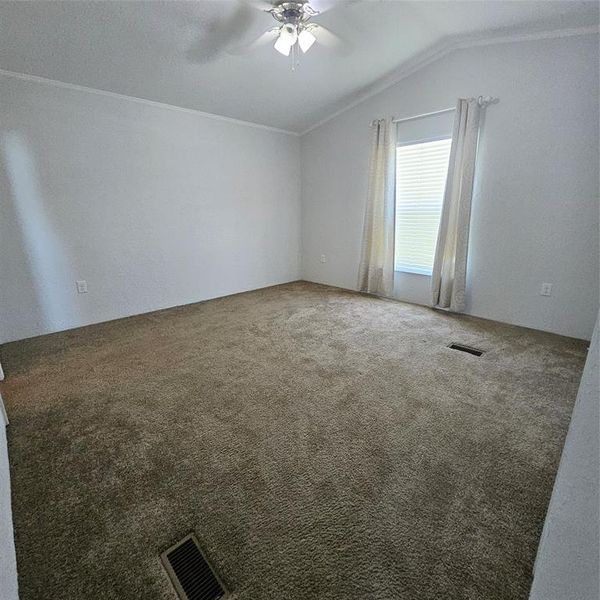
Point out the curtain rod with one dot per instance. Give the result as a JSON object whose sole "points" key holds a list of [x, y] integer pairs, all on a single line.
{"points": [[429, 114], [481, 100]]}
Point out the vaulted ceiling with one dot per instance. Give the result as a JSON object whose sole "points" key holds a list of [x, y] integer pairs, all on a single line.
{"points": [[185, 53]]}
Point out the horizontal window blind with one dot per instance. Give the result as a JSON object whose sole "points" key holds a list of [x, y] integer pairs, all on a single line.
{"points": [[421, 171]]}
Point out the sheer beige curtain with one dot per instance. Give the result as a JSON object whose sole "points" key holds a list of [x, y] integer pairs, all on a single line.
{"points": [[448, 279], [376, 272]]}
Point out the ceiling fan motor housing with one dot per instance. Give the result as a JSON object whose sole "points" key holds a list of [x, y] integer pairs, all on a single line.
{"points": [[293, 13], [294, 29]]}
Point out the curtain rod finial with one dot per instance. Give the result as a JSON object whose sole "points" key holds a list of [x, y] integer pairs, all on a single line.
{"points": [[485, 100]]}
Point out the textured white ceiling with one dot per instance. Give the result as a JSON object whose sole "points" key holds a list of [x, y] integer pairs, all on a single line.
{"points": [[180, 52]]}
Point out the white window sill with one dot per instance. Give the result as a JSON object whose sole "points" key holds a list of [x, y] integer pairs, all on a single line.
{"points": [[412, 271]]}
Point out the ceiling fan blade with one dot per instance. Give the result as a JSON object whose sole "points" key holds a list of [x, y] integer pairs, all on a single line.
{"points": [[219, 35], [326, 37], [322, 6], [325, 5], [262, 40], [259, 4]]}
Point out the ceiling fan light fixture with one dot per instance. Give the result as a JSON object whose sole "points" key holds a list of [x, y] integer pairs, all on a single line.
{"points": [[305, 40], [282, 45], [290, 33], [288, 36]]}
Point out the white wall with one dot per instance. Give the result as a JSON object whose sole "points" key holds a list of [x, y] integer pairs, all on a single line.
{"points": [[8, 562], [535, 212], [567, 565], [153, 207]]}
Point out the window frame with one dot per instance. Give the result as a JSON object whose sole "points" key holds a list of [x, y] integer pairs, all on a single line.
{"points": [[424, 140]]}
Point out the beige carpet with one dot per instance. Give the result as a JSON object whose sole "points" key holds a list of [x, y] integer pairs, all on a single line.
{"points": [[322, 444]]}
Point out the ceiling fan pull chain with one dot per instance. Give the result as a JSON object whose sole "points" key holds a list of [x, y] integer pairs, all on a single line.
{"points": [[294, 55]]}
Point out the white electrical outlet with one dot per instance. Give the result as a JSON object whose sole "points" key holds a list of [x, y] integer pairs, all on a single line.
{"points": [[81, 286], [323, 258], [546, 289]]}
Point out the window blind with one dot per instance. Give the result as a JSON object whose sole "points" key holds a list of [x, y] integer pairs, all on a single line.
{"points": [[421, 170]]}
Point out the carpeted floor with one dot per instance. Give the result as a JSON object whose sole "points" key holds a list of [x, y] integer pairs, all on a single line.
{"points": [[322, 445]]}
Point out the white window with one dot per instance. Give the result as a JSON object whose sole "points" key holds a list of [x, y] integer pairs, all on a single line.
{"points": [[421, 170]]}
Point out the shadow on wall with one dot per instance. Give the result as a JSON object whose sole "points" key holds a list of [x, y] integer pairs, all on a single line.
{"points": [[33, 294]]}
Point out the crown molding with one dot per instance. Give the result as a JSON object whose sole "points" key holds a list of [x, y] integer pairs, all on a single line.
{"points": [[144, 101], [441, 49]]}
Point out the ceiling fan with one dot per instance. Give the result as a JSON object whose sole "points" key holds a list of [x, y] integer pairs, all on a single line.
{"points": [[294, 30]]}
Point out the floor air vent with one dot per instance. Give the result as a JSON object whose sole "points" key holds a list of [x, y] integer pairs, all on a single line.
{"points": [[467, 349], [191, 575]]}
